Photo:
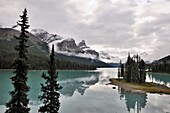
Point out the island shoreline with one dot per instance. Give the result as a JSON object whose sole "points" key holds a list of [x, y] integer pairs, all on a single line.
{"points": [[147, 87]]}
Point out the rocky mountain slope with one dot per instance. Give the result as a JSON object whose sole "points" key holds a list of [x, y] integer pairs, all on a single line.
{"points": [[70, 48], [40, 44], [66, 46]]}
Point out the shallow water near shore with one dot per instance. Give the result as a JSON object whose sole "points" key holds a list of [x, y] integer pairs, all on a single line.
{"points": [[86, 92]]}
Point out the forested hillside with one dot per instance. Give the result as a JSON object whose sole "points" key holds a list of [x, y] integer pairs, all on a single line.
{"points": [[162, 65]]}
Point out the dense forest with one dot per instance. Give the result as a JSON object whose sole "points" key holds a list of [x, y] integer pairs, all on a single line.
{"points": [[41, 62], [161, 65], [134, 70]]}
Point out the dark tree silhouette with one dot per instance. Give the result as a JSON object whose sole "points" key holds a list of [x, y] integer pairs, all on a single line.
{"points": [[50, 95], [128, 69], [19, 101], [161, 65], [135, 69], [122, 69], [119, 72], [142, 67]]}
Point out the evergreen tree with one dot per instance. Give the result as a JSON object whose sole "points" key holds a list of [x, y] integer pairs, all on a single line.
{"points": [[122, 69], [119, 73], [128, 69], [50, 95], [142, 67], [19, 101]]}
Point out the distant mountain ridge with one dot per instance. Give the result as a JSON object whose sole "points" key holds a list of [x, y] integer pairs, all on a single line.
{"points": [[165, 59], [66, 46], [70, 48], [162, 65], [7, 42], [41, 47], [45, 36]]}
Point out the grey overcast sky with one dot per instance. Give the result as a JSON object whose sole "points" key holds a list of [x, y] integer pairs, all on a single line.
{"points": [[113, 26]]}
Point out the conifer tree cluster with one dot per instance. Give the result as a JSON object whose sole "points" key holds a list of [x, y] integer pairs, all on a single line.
{"points": [[50, 95], [135, 69], [19, 101]]}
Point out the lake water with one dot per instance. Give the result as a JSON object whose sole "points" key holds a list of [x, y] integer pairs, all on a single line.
{"points": [[86, 92]]}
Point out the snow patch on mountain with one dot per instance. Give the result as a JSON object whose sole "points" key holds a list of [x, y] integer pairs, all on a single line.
{"points": [[45, 36], [105, 57], [66, 46], [70, 48]]}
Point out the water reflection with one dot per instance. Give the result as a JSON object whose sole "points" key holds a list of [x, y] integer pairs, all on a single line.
{"points": [[69, 80], [77, 80], [88, 92], [133, 101]]}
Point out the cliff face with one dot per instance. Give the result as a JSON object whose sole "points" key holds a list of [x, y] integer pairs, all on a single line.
{"points": [[66, 46]]}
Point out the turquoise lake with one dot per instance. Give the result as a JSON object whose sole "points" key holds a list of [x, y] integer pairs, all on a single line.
{"points": [[87, 92]]}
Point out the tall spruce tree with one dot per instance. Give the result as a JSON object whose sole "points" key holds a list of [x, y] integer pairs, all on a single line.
{"points": [[19, 101], [142, 67], [119, 73], [128, 69], [122, 68], [50, 95]]}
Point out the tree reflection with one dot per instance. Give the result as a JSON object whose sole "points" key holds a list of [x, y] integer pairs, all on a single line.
{"points": [[134, 101]]}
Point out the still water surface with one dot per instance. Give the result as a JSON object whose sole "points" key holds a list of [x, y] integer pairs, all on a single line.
{"points": [[86, 92]]}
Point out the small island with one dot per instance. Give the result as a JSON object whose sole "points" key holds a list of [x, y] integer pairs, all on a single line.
{"points": [[147, 87], [132, 76]]}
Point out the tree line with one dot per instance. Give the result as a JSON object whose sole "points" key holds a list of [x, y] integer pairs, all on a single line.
{"points": [[134, 69], [40, 62], [160, 67]]}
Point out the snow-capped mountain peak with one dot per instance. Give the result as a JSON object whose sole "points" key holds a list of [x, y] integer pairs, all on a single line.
{"points": [[45, 36], [82, 44], [69, 47], [38, 31], [66, 46]]}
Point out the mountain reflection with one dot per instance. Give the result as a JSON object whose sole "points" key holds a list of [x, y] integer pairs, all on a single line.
{"points": [[77, 81], [133, 101], [69, 80]]}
